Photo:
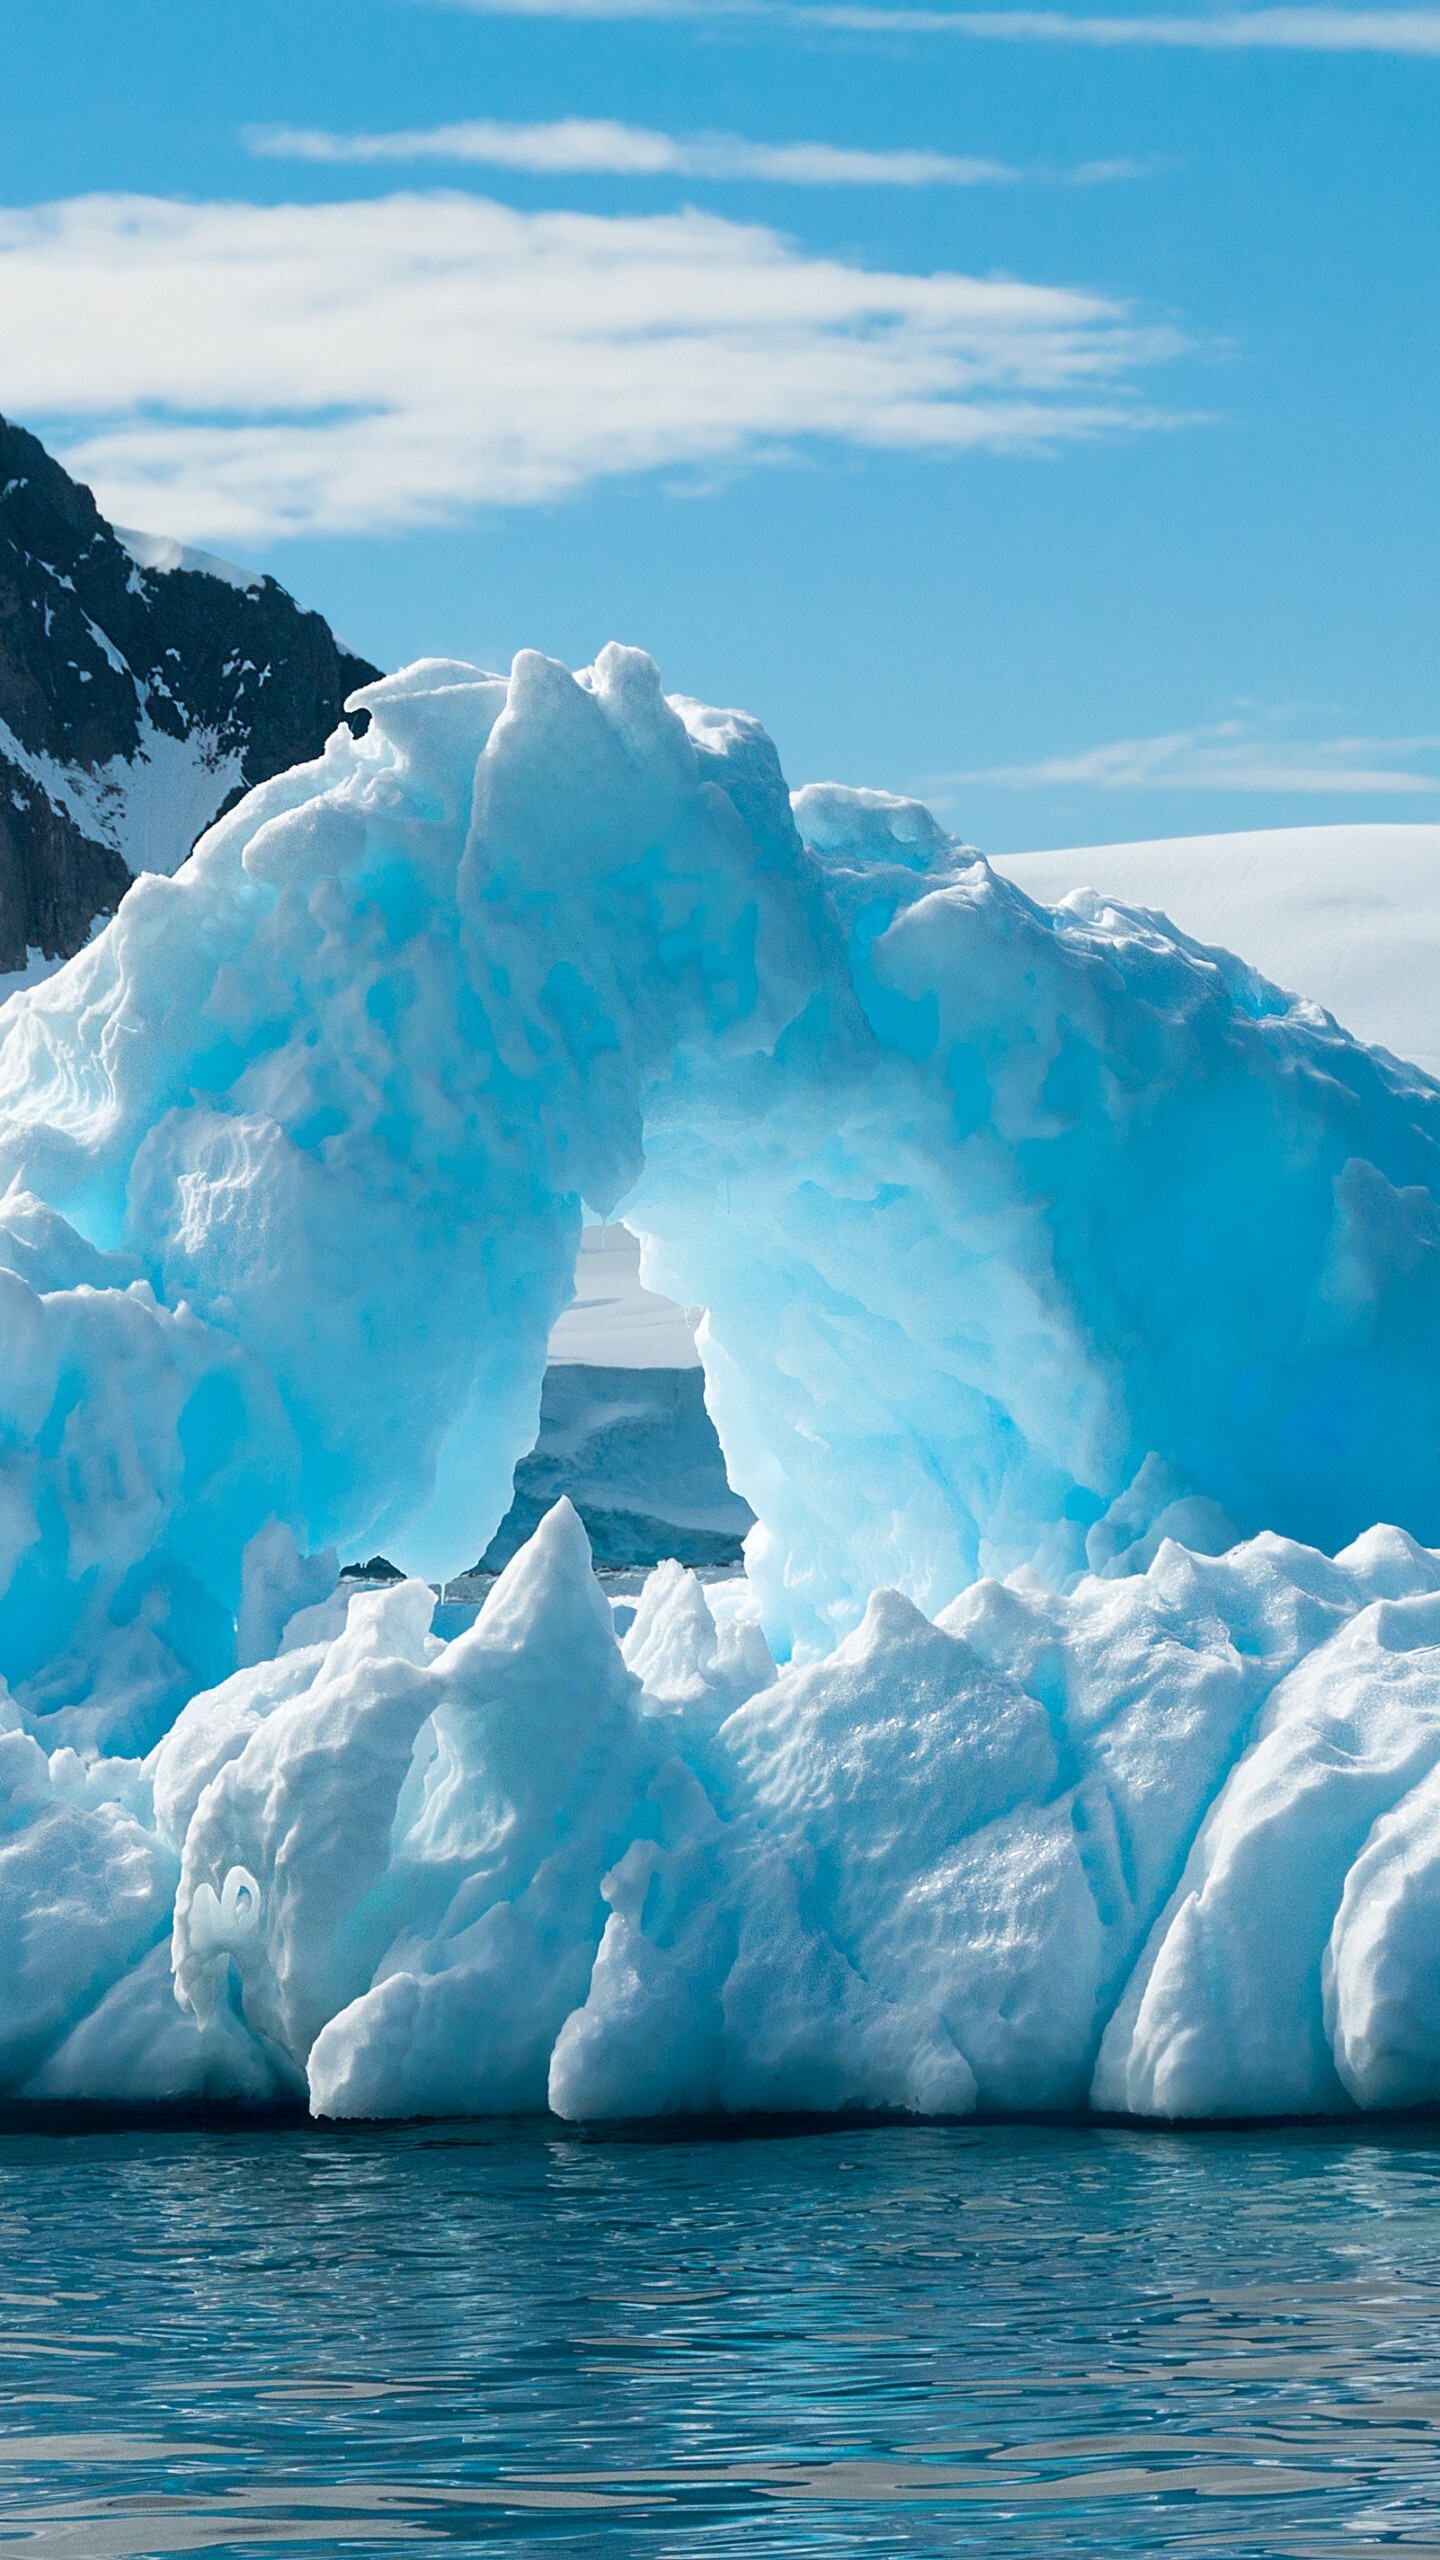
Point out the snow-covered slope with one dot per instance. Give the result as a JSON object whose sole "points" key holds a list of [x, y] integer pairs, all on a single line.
{"points": [[1348, 915], [615, 1321], [142, 686], [1069, 1288]]}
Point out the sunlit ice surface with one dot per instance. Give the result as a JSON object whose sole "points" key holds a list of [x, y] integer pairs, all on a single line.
{"points": [[981, 2339]]}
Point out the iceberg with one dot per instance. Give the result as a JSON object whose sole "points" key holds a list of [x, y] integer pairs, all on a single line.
{"points": [[1072, 1301]]}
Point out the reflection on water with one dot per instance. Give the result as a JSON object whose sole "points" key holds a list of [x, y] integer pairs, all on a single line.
{"points": [[910, 2340]]}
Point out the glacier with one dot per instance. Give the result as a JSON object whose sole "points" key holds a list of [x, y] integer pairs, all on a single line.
{"points": [[1071, 1315]]}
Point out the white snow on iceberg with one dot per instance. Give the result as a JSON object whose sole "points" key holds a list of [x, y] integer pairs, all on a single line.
{"points": [[1350, 913], [1072, 1294]]}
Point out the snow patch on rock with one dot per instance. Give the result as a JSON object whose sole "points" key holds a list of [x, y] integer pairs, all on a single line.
{"points": [[161, 553]]}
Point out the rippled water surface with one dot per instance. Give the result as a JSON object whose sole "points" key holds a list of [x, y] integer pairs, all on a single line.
{"points": [[994, 2340]]}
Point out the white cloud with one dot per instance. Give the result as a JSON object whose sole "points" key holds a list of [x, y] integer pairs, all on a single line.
{"points": [[1306, 30], [229, 372], [609, 10], [577, 145], [1230, 755], [1300, 30], [580, 145]]}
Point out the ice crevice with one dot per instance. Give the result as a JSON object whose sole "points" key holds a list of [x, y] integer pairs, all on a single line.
{"points": [[1071, 1320]]}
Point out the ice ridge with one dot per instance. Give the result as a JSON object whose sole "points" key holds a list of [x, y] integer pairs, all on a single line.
{"points": [[1168, 1844]]}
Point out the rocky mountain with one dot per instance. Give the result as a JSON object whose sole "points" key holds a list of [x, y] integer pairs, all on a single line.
{"points": [[143, 687]]}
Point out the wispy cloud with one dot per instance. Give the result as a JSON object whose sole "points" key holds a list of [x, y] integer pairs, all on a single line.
{"points": [[1232, 755], [584, 146], [232, 372], [576, 145], [1301, 30]]}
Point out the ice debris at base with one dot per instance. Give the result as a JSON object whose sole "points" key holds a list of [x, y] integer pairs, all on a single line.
{"points": [[1170, 1843], [1062, 1277]]}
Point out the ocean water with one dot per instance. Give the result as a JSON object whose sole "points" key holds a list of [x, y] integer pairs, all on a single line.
{"points": [[991, 2340]]}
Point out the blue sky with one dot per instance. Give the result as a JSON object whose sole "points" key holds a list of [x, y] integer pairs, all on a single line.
{"points": [[1090, 491]]}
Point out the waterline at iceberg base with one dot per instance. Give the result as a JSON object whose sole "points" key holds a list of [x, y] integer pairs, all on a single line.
{"points": [[1073, 1309]]}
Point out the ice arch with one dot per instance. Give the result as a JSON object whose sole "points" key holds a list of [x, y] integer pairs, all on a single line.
{"points": [[1027, 1235]]}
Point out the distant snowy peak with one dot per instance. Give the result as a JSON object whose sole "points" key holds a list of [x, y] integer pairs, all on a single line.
{"points": [[162, 553], [143, 687]]}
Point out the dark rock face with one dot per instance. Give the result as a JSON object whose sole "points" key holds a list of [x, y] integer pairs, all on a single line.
{"points": [[53, 879], [136, 701]]}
